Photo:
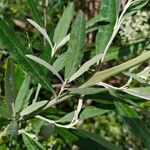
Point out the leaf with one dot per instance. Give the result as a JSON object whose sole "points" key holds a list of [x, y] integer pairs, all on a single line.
{"points": [[59, 63], [20, 101], [142, 92], [103, 75], [85, 140], [137, 126], [3, 109], [63, 24], [46, 65], [10, 87], [42, 31], [17, 51], [35, 12], [33, 107], [86, 91], [91, 111], [135, 6], [96, 19], [110, 10], [85, 67], [87, 113], [30, 143], [61, 43], [12, 130], [76, 45]]}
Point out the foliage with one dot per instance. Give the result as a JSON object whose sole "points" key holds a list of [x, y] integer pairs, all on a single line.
{"points": [[50, 65]]}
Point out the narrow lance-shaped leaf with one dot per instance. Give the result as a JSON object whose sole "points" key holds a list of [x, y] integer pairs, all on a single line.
{"points": [[76, 45], [110, 10], [46, 65], [103, 75], [135, 6], [59, 63], [33, 107], [42, 31], [35, 12], [30, 143], [63, 24], [137, 126], [23, 92], [17, 51], [10, 87]]}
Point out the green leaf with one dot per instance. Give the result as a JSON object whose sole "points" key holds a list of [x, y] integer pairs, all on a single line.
{"points": [[137, 126], [35, 12], [135, 6], [10, 87], [96, 19], [85, 67], [86, 91], [63, 24], [76, 45], [33, 108], [3, 109], [42, 31], [22, 94], [17, 51], [85, 140], [12, 130], [59, 63], [103, 75], [30, 143], [87, 113], [110, 10], [142, 92], [46, 65]]}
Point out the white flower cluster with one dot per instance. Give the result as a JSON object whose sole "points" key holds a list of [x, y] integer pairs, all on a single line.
{"points": [[136, 27]]}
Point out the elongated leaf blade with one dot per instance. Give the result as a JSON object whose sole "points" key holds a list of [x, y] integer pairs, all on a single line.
{"points": [[30, 143], [86, 91], [110, 10], [45, 64], [20, 101], [59, 63], [135, 6], [63, 24], [76, 45], [95, 142], [42, 31], [103, 75], [142, 92], [17, 51], [10, 87], [35, 12], [87, 113], [137, 126], [33, 107], [85, 67]]}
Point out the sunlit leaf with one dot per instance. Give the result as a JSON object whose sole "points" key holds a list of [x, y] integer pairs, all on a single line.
{"points": [[76, 45], [63, 24]]}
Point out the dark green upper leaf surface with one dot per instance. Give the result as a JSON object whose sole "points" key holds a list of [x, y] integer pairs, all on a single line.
{"points": [[17, 51], [110, 10], [137, 126], [76, 45], [35, 12], [31, 144], [10, 87]]}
